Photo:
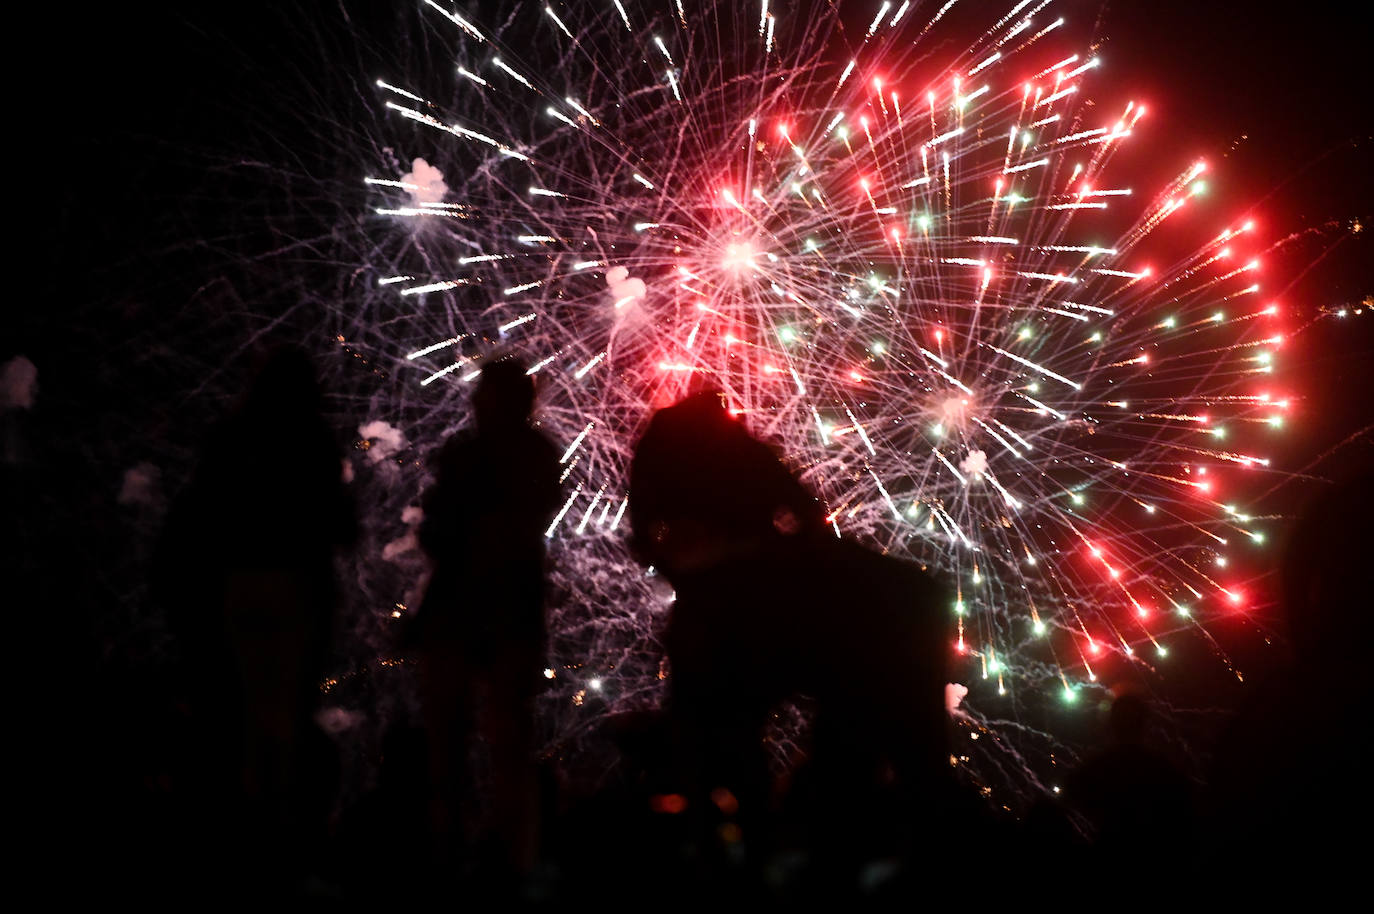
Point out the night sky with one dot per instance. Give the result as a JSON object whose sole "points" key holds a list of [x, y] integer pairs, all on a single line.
{"points": [[160, 127], [156, 141]]}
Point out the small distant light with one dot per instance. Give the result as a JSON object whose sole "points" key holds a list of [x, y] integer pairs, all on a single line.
{"points": [[595, 685], [549, 673]]}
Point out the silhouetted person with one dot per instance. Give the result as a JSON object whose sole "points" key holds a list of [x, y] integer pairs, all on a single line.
{"points": [[246, 572], [768, 605], [708, 503], [1133, 798], [480, 629], [1289, 782]]}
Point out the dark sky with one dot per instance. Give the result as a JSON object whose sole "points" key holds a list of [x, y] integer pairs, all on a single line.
{"points": [[144, 108], [149, 97]]}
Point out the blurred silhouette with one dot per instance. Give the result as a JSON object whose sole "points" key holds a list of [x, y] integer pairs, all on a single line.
{"points": [[479, 632], [1133, 799], [246, 573], [769, 604], [704, 491], [1287, 784]]}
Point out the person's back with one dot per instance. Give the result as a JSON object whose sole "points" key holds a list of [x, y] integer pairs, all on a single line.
{"points": [[770, 605], [1133, 798], [480, 628], [246, 573], [1284, 784], [484, 526]]}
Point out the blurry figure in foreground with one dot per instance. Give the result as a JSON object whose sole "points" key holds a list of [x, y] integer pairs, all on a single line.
{"points": [[1289, 783], [1134, 799], [769, 604], [246, 572], [479, 632]]}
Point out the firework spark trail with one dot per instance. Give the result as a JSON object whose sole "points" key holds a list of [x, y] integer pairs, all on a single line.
{"points": [[904, 277]]}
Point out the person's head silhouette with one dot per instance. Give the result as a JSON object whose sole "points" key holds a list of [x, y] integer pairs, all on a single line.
{"points": [[704, 405], [285, 385], [504, 397]]}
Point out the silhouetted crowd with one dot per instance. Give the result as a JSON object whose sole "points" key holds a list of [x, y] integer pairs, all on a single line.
{"points": [[770, 608]]}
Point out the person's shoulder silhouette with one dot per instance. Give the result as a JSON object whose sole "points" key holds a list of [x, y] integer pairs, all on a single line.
{"points": [[269, 488], [497, 485], [268, 492]]}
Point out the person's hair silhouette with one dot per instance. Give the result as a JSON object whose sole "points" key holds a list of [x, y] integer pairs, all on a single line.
{"points": [[703, 490]]}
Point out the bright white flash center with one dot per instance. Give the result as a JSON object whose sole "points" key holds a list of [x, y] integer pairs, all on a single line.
{"points": [[739, 256]]}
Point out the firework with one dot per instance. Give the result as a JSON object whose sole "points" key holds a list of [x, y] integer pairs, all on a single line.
{"points": [[923, 282]]}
